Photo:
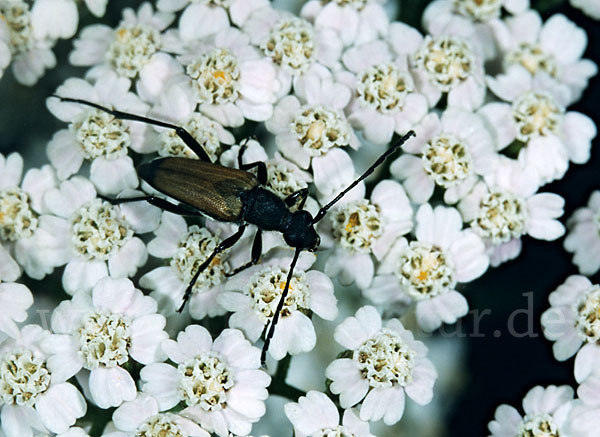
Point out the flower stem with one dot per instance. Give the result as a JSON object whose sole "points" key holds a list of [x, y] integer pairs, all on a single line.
{"points": [[547, 5], [279, 386]]}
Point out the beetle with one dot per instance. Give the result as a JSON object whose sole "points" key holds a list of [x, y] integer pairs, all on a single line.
{"points": [[232, 195]]}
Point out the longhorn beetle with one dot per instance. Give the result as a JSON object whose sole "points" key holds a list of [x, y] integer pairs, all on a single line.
{"points": [[231, 195]]}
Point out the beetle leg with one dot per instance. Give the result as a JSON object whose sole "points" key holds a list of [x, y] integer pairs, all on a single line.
{"points": [[225, 244], [262, 167], [299, 198], [179, 209], [185, 136], [256, 253]]}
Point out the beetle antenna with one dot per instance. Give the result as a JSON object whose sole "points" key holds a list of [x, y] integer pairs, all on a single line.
{"points": [[185, 136], [263, 354], [370, 170]]}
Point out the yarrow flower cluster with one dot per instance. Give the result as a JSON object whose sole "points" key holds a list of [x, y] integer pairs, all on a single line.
{"points": [[159, 316]]}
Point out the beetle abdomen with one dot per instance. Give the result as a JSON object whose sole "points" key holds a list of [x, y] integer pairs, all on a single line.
{"points": [[211, 188]]}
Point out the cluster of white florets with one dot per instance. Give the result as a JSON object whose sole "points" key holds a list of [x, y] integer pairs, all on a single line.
{"points": [[339, 76]]}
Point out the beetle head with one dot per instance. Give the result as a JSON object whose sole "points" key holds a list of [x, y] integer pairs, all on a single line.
{"points": [[299, 231]]}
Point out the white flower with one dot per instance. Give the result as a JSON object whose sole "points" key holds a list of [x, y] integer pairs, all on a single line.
{"points": [[316, 415], [470, 17], [100, 332], [449, 64], [571, 320], [506, 206], [253, 296], [546, 413], [426, 271], [386, 364], [92, 237], [14, 301], [184, 249], [385, 97], [31, 395], [310, 124], [354, 21], [589, 7], [288, 40], [218, 381], [550, 136], [292, 43], [31, 56], [142, 416], [363, 227], [54, 19], [552, 51], [21, 205], [583, 238], [229, 80], [128, 50], [451, 153], [97, 136]]}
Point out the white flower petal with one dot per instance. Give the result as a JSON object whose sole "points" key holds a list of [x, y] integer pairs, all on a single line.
{"points": [[294, 334], [586, 361], [82, 275], [420, 389], [128, 259], [15, 299], [130, 415], [60, 406], [9, 269], [146, 336], [313, 412], [440, 226], [16, 420], [113, 176], [109, 387], [468, 256], [12, 170], [322, 299], [383, 403], [64, 153], [160, 380], [54, 19]]}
